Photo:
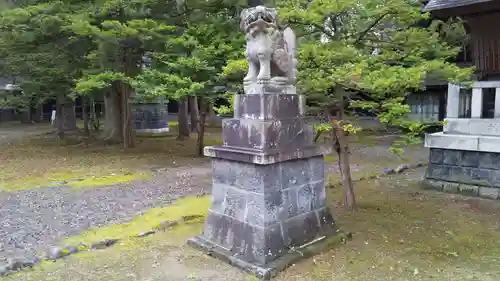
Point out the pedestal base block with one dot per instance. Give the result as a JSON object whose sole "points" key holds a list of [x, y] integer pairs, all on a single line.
{"points": [[261, 213], [272, 268]]}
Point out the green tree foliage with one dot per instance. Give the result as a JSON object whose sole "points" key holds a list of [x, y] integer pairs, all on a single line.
{"points": [[377, 48], [192, 63], [38, 49]]}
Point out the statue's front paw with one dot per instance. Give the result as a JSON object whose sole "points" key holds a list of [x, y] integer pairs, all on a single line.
{"points": [[249, 78], [263, 77]]}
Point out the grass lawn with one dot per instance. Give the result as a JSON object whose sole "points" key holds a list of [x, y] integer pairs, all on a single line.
{"points": [[35, 161], [38, 161], [400, 232]]}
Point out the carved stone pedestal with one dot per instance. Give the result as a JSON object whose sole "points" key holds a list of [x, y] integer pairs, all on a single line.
{"points": [[268, 197]]}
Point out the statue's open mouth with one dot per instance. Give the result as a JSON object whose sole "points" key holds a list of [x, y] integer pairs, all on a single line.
{"points": [[259, 16]]}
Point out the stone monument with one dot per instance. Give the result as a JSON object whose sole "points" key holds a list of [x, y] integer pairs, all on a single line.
{"points": [[268, 201], [150, 117]]}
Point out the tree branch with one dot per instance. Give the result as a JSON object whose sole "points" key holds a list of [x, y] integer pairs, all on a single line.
{"points": [[319, 27], [363, 33]]}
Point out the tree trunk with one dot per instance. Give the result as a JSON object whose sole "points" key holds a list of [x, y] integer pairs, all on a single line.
{"points": [[183, 123], [38, 114], [194, 113], [342, 147], [86, 129], [29, 115], [59, 116], [65, 115], [69, 116], [128, 133], [201, 132], [112, 115], [212, 117]]}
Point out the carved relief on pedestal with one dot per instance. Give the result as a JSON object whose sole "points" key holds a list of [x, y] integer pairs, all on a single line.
{"points": [[270, 52]]}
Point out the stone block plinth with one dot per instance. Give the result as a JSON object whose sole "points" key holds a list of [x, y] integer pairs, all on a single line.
{"points": [[150, 118], [473, 173], [268, 193]]}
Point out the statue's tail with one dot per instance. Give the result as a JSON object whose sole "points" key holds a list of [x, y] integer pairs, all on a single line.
{"points": [[289, 37], [290, 40]]}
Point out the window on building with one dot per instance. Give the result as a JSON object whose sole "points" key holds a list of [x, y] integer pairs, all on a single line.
{"points": [[424, 107], [464, 103]]}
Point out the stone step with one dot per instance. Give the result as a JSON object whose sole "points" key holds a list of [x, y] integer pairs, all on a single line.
{"points": [[463, 142]]}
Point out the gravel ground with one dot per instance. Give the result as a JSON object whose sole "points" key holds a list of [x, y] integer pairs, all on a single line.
{"points": [[32, 220], [35, 219]]}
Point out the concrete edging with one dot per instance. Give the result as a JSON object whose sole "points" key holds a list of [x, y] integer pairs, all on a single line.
{"points": [[463, 189]]}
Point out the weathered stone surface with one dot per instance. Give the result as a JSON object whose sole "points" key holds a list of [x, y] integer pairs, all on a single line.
{"points": [[270, 192], [259, 211], [263, 157], [72, 249], [268, 106], [436, 156], [459, 174], [489, 192], [251, 243], [433, 184], [463, 142], [473, 126], [267, 135], [467, 189], [450, 187], [246, 176], [451, 157], [435, 171], [465, 167], [4, 271], [55, 253], [146, 233], [480, 176], [401, 168], [469, 158], [495, 178], [103, 244], [150, 117], [235, 204], [489, 161], [265, 178]]}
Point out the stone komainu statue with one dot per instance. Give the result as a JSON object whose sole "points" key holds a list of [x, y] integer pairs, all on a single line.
{"points": [[270, 51]]}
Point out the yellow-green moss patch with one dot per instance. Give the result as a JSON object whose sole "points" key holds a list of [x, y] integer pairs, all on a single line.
{"points": [[73, 179], [107, 180], [151, 219], [330, 158]]}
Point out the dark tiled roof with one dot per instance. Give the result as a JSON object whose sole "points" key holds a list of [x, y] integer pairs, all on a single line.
{"points": [[434, 5]]}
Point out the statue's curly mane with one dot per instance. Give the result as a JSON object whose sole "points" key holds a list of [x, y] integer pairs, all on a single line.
{"points": [[270, 49], [259, 15]]}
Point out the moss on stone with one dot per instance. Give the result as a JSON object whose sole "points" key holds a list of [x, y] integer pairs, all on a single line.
{"points": [[197, 207]]}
